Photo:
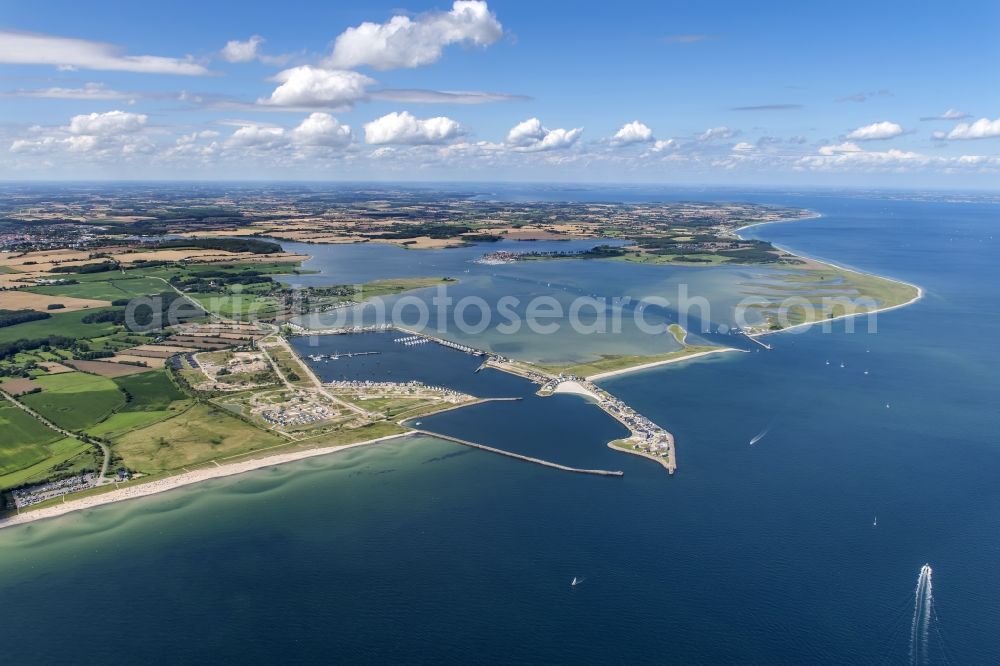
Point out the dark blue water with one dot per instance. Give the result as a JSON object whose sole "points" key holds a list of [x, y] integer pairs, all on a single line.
{"points": [[427, 552], [429, 363]]}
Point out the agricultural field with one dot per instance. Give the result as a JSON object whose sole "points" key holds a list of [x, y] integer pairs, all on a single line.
{"points": [[150, 397], [105, 290], [241, 306], [24, 440], [20, 299], [31, 451], [66, 457], [75, 400], [200, 434], [69, 324], [148, 391]]}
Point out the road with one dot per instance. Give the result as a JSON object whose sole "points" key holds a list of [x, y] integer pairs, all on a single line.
{"points": [[65, 433], [283, 343]]}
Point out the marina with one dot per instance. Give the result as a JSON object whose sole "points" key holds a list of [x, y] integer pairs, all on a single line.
{"points": [[646, 438], [336, 357]]}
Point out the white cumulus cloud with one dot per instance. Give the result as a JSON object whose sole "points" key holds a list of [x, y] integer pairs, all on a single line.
{"points": [[406, 42], [846, 147], [531, 136], [663, 145], [308, 86], [317, 130], [237, 51], [633, 132], [96, 135], [984, 128], [22, 48], [109, 123], [258, 136], [881, 130], [322, 129], [404, 128]]}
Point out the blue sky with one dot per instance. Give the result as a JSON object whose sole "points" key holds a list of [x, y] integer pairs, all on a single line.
{"points": [[776, 93]]}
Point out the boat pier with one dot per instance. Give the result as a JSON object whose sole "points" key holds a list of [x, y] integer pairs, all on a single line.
{"points": [[756, 341], [518, 456], [413, 335], [337, 356]]}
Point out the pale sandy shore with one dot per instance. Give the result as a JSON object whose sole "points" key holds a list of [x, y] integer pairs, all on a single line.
{"points": [[807, 324], [136, 490], [575, 388], [804, 325], [654, 364]]}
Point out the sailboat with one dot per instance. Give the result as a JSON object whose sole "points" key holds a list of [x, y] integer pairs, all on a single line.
{"points": [[576, 581]]}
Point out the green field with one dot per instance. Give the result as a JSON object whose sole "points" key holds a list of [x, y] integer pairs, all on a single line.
{"points": [[198, 435], [25, 438], [106, 290], [149, 391], [236, 306], [29, 450], [389, 287], [674, 260], [395, 406], [611, 362], [68, 324], [75, 400], [62, 457], [151, 397]]}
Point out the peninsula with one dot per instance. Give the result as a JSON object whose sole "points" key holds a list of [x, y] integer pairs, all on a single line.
{"points": [[144, 340]]}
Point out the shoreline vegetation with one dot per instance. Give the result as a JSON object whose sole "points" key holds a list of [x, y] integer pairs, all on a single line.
{"points": [[891, 293], [248, 266]]}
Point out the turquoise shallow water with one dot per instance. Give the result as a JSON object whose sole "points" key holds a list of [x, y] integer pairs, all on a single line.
{"points": [[422, 551]]}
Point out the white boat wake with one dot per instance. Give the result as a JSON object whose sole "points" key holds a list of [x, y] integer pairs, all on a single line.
{"points": [[923, 607]]}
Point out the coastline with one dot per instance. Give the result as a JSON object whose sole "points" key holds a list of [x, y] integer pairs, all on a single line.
{"points": [[666, 463], [134, 491], [803, 325], [654, 364], [806, 324]]}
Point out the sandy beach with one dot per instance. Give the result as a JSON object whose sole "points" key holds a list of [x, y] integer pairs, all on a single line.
{"points": [[575, 388], [920, 290], [654, 364], [807, 324], [129, 491]]}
